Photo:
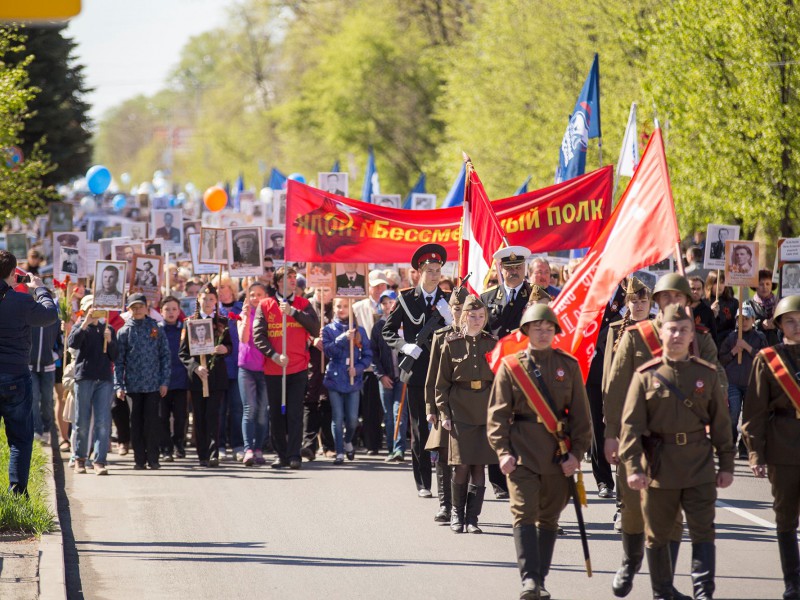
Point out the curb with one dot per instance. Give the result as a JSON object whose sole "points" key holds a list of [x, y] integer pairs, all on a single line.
{"points": [[52, 579]]}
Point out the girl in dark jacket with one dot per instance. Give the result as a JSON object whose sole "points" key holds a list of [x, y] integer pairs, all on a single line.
{"points": [[206, 408]]}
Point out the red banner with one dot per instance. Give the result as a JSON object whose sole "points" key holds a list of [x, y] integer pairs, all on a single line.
{"points": [[323, 227]]}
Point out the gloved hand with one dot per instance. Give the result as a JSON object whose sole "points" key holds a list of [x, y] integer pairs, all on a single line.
{"points": [[412, 350], [444, 309]]}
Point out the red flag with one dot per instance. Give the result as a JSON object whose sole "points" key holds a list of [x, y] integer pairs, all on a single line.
{"points": [[642, 230], [481, 232], [510, 344]]}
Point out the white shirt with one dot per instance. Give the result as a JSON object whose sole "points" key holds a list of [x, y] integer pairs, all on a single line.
{"points": [[516, 290]]}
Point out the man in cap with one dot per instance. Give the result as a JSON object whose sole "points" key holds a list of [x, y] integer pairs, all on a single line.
{"points": [[245, 248], [669, 456], [638, 344], [145, 276], [277, 248], [771, 428], [420, 308], [537, 396]]}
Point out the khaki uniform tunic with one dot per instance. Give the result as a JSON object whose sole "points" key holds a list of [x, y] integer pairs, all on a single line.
{"points": [[438, 437], [538, 489], [687, 476]]}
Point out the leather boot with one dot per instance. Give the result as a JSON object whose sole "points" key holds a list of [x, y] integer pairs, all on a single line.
{"points": [[443, 482], [703, 568], [790, 564], [527, 545], [674, 547], [547, 542], [660, 565], [632, 555], [474, 505], [459, 499]]}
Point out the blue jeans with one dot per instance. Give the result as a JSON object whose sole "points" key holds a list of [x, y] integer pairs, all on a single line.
{"points": [[15, 410], [736, 395], [42, 385], [391, 405], [230, 419], [344, 409], [255, 420], [93, 399]]}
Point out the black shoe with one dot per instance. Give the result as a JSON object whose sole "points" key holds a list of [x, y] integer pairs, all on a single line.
{"points": [[339, 460], [138, 467], [474, 504], [278, 464], [527, 546], [213, 462], [790, 564], [443, 515], [372, 453], [703, 570], [203, 463], [180, 453], [154, 465], [632, 555], [295, 463], [660, 564], [459, 499], [307, 453], [546, 543]]}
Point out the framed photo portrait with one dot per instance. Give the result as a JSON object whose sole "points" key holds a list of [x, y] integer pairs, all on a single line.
{"points": [[134, 230], [273, 243], [245, 252], [125, 250], [423, 201], [167, 224], [154, 247], [17, 244], [146, 275], [663, 267], [790, 278], [213, 246], [333, 183], [70, 239], [387, 200], [95, 226], [199, 268], [201, 336], [60, 217], [68, 259], [279, 208], [109, 279], [188, 304], [741, 263], [189, 228], [351, 280], [319, 275], [716, 237]]}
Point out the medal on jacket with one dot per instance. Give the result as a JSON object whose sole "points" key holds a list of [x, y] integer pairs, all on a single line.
{"points": [[699, 386], [154, 333], [560, 374]]}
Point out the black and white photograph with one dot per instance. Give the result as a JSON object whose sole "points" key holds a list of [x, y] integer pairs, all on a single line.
{"points": [[279, 208], [333, 183], [189, 227], [60, 217], [167, 225], [663, 267], [135, 230], [17, 244], [95, 226], [716, 237], [423, 201], [790, 279], [68, 260], [70, 239], [109, 284], [146, 275], [387, 200], [274, 243], [188, 303], [201, 338], [125, 250], [199, 268], [351, 280], [213, 246], [244, 250], [154, 247]]}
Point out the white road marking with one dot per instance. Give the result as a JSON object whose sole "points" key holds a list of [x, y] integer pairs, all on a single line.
{"points": [[746, 515]]}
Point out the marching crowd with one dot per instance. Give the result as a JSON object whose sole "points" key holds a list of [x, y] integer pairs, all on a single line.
{"points": [[298, 374]]}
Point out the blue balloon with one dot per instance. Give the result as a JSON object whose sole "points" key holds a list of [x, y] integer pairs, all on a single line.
{"points": [[119, 202], [297, 177], [173, 202], [98, 178]]}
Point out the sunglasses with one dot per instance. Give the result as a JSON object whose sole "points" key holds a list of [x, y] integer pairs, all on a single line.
{"points": [[269, 269]]}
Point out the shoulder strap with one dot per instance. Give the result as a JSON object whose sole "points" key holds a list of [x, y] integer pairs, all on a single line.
{"points": [[648, 332], [414, 320], [788, 379], [685, 400]]}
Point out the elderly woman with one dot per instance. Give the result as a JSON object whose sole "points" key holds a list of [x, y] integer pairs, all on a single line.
{"points": [[462, 397]]}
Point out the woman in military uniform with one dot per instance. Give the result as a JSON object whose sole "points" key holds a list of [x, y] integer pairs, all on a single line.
{"points": [[771, 431], [439, 438], [462, 397]]}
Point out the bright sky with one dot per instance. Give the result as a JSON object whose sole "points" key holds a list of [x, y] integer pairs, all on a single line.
{"points": [[129, 46]]}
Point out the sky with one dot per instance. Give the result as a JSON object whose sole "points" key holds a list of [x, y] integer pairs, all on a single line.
{"points": [[129, 46]]}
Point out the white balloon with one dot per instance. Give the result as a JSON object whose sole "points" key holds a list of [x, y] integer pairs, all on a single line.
{"points": [[265, 194], [125, 178], [88, 204]]}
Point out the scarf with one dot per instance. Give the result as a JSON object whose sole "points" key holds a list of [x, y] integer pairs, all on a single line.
{"points": [[767, 304]]}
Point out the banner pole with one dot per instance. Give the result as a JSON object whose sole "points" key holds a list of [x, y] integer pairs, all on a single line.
{"points": [[352, 340], [740, 319]]}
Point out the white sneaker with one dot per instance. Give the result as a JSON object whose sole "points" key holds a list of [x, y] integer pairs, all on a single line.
{"points": [[45, 438]]}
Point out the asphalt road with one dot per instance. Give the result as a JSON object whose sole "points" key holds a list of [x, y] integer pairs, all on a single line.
{"points": [[355, 531]]}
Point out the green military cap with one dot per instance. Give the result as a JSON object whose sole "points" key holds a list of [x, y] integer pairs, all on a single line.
{"points": [[538, 312], [674, 313], [539, 293], [473, 303], [674, 282], [635, 285], [458, 296], [786, 305]]}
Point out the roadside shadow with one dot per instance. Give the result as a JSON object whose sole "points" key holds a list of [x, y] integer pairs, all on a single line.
{"points": [[72, 570]]}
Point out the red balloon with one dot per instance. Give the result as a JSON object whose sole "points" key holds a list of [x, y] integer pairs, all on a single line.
{"points": [[215, 198]]}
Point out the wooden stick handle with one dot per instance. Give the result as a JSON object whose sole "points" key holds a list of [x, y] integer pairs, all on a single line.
{"points": [[352, 341], [740, 318], [203, 364]]}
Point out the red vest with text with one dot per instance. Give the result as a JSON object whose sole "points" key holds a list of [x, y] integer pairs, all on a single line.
{"points": [[296, 337]]}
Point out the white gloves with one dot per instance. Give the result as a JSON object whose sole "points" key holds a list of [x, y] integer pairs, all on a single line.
{"points": [[444, 309], [412, 350]]}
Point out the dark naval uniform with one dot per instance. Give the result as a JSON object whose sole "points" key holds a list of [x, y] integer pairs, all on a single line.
{"points": [[504, 313]]}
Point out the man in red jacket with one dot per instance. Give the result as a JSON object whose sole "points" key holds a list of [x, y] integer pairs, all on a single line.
{"points": [[287, 351]]}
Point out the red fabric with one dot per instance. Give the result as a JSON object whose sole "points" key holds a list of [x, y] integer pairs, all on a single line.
{"points": [[323, 227], [296, 337], [642, 230], [510, 344]]}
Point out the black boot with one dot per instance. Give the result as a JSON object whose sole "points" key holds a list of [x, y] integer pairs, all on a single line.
{"points": [[790, 564], [632, 555], [674, 547], [459, 499], [660, 564], [474, 506], [443, 481], [527, 545], [547, 542], [703, 567]]}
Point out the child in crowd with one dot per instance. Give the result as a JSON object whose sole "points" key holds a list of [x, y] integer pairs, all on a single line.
{"points": [[173, 405]]}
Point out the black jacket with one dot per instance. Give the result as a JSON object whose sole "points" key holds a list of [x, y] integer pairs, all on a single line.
{"points": [[381, 351], [18, 313], [90, 361], [45, 341], [218, 372], [504, 317]]}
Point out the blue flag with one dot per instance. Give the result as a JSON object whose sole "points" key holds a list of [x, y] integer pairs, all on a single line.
{"points": [[335, 168], [238, 188], [371, 184], [523, 189], [584, 124], [455, 197], [419, 188], [277, 180]]}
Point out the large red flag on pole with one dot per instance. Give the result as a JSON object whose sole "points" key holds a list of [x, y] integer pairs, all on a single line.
{"points": [[642, 230]]}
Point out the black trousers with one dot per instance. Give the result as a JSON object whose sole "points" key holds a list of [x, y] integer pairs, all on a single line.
{"points": [[206, 423], [497, 479], [316, 408], [371, 412], [600, 467], [121, 415], [173, 405], [286, 430], [420, 458], [145, 427]]}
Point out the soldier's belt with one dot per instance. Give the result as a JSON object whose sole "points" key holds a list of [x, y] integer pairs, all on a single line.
{"points": [[527, 418], [786, 412], [681, 439], [475, 384]]}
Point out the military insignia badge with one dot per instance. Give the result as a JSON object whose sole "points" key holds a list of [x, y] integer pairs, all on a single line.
{"points": [[560, 374], [698, 386]]}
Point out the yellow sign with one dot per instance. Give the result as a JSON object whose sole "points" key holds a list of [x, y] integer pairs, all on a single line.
{"points": [[39, 10]]}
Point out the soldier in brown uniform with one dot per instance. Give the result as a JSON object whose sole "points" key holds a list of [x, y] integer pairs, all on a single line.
{"points": [[439, 439], [528, 452], [668, 455], [462, 397], [771, 430], [639, 344]]}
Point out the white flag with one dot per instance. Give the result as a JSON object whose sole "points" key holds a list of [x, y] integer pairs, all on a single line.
{"points": [[629, 155]]}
